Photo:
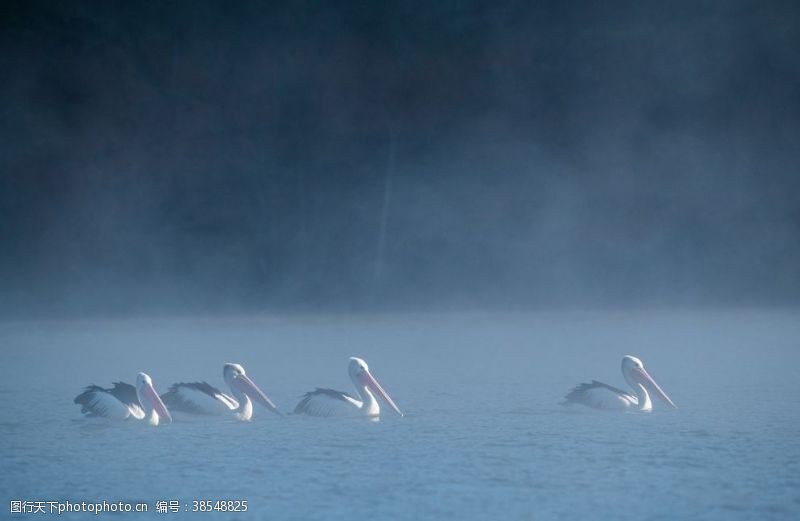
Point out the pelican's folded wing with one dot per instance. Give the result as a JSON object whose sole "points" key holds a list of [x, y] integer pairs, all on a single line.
{"points": [[198, 398], [326, 402], [119, 402], [599, 396]]}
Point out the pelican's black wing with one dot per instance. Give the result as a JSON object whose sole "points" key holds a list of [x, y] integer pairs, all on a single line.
{"points": [[198, 398], [120, 401], [318, 402], [595, 394]]}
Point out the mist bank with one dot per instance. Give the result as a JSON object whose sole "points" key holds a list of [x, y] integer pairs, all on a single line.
{"points": [[307, 156]]}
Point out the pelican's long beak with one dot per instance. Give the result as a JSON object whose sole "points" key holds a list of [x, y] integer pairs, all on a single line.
{"points": [[248, 387], [149, 393], [373, 384], [648, 381]]}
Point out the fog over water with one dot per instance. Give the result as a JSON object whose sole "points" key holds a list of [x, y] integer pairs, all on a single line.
{"points": [[483, 433]]}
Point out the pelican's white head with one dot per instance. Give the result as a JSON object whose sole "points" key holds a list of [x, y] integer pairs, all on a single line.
{"points": [[635, 374], [241, 384], [143, 379], [356, 367], [150, 400], [231, 371], [359, 373]]}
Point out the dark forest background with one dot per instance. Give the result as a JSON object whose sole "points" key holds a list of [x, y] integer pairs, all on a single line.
{"points": [[207, 156]]}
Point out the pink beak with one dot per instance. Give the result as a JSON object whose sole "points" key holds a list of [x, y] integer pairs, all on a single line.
{"points": [[248, 387], [647, 381], [156, 404], [372, 383]]}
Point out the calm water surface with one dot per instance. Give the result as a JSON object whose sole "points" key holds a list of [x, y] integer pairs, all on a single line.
{"points": [[484, 435]]}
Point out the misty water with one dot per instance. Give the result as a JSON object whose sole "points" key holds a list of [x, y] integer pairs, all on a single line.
{"points": [[484, 434]]}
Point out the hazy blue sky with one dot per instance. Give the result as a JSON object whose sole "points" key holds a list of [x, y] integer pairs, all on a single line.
{"points": [[217, 156]]}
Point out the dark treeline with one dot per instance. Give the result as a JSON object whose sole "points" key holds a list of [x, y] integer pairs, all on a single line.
{"points": [[216, 156]]}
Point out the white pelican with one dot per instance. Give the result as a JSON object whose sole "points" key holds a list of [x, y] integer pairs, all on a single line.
{"points": [[124, 401], [603, 396], [327, 402], [202, 398]]}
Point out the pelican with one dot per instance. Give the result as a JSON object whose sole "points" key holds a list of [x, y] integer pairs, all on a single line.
{"points": [[327, 402], [202, 398], [125, 401], [604, 396]]}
